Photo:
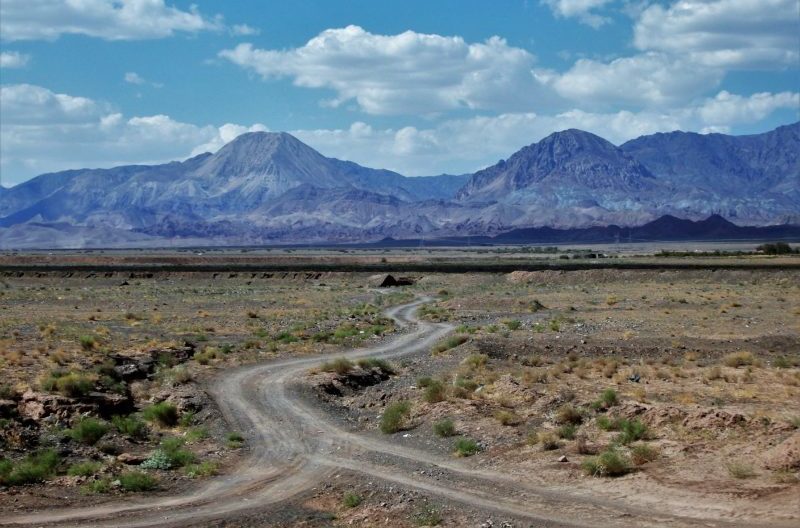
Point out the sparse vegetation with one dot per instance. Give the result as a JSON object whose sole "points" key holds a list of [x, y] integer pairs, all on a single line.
{"points": [[444, 428], [351, 499], [740, 470], [36, 467], [71, 384], [88, 430], [137, 481], [163, 413], [609, 463], [394, 417]]}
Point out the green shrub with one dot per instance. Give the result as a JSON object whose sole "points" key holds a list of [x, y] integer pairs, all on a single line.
{"points": [[88, 431], [159, 459], [34, 468], [567, 431], [435, 392], [607, 424], [513, 324], [739, 359], [567, 414], [130, 426], [381, 364], [137, 481], [609, 463], [196, 434], [286, 337], [466, 447], [631, 431], [643, 453], [608, 398], [97, 486], [71, 384], [84, 469], [549, 441], [351, 499], [6, 466], [163, 413], [507, 418], [186, 419], [176, 455], [448, 343], [427, 515], [424, 382], [204, 469], [444, 428], [340, 366], [344, 331], [394, 417], [476, 360], [88, 342], [234, 440]]}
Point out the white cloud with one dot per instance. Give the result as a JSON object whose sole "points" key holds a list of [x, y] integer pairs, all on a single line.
{"points": [[134, 78], [13, 59], [106, 19], [583, 10], [405, 73], [243, 30], [727, 109], [724, 33], [43, 131], [225, 134], [644, 80]]}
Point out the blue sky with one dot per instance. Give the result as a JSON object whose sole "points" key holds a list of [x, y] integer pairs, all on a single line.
{"points": [[421, 87]]}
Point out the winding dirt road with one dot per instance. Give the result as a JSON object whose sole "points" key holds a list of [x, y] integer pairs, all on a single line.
{"points": [[294, 446]]}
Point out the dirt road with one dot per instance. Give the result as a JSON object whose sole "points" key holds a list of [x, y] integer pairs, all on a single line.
{"points": [[294, 446]]}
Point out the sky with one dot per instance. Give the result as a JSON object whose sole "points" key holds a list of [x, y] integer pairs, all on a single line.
{"points": [[421, 87]]}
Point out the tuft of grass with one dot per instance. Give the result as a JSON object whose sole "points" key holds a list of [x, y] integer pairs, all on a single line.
{"points": [[447, 344], [609, 463], [137, 481], [513, 324], [739, 359], [427, 515], [351, 499], [435, 392], [466, 447], [740, 470], [381, 364], [36, 467], [97, 487], [394, 417], [234, 440], [643, 453], [71, 384], [84, 469], [340, 366], [508, 418], [88, 431], [568, 414], [163, 413], [567, 431], [476, 360], [204, 469], [631, 431], [549, 441], [608, 398], [88, 342], [444, 428], [131, 426]]}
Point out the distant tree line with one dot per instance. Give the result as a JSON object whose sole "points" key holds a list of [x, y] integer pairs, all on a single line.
{"points": [[777, 248]]}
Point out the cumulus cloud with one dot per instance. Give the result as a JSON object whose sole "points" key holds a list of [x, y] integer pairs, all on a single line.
{"points": [[405, 73], [134, 78], [242, 30], [13, 59], [583, 10], [44, 131], [106, 19], [644, 80], [727, 109], [724, 33]]}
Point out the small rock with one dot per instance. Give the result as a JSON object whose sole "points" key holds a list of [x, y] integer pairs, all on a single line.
{"points": [[563, 458]]}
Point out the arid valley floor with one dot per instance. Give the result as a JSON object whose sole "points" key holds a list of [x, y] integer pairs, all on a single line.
{"points": [[559, 397]]}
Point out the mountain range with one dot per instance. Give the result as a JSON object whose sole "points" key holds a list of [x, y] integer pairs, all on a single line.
{"points": [[270, 188]]}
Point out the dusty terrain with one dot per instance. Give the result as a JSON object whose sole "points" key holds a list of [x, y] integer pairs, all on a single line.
{"points": [[601, 397]]}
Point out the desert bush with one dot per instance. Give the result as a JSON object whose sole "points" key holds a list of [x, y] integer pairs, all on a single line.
{"points": [[137, 481], [195, 434], [476, 360], [381, 364], [609, 463], [424, 382], [568, 414], [448, 343], [88, 430], [340, 366], [186, 419], [513, 324], [394, 417], [170, 454], [286, 337], [72, 384], [466, 447], [163, 413], [567, 431], [435, 392], [549, 441], [36, 467], [507, 418], [608, 398], [351, 499], [204, 469], [427, 515], [740, 470], [234, 440], [344, 331], [643, 453], [87, 342], [131, 426], [97, 487], [444, 428], [739, 359], [84, 469], [631, 431]]}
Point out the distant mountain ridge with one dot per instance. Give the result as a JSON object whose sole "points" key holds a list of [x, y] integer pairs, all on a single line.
{"points": [[270, 188]]}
